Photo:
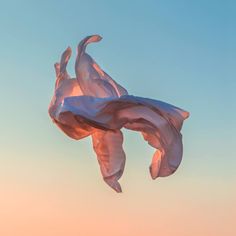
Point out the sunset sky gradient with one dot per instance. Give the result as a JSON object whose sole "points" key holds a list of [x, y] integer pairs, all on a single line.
{"points": [[181, 52]]}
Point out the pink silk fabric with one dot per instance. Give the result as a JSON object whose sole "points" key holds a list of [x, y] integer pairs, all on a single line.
{"points": [[94, 104]]}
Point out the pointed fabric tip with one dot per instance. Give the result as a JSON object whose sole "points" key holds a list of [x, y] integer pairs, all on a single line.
{"points": [[186, 115], [64, 59], [114, 184]]}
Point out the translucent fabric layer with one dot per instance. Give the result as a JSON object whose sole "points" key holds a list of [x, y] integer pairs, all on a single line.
{"points": [[94, 104]]}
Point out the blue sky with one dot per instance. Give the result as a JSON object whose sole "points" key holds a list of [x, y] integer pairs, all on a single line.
{"points": [[181, 52]]}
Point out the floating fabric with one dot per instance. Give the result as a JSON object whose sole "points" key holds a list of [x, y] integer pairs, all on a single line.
{"points": [[94, 104]]}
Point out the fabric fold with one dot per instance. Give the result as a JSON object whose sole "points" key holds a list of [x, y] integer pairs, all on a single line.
{"points": [[91, 78], [111, 156]]}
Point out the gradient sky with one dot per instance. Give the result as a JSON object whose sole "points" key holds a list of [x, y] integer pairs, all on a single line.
{"points": [[181, 52]]}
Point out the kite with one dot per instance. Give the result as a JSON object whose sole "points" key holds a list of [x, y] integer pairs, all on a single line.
{"points": [[93, 104]]}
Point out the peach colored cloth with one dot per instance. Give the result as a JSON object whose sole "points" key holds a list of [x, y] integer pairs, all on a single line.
{"points": [[94, 104]]}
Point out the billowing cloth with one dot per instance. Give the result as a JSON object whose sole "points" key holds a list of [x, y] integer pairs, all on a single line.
{"points": [[94, 104]]}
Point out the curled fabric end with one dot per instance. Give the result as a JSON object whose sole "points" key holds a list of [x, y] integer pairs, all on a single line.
{"points": [[155, 165], [93, 104]]}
